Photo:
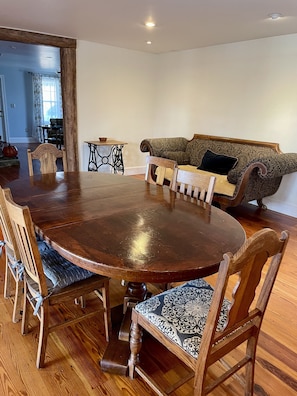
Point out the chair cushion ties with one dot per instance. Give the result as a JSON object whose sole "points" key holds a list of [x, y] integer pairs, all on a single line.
{"points": [[18, 266], [39, 301], [2, 244]]}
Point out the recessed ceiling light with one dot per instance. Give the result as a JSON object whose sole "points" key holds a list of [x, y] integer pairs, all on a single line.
{"points": [[150, 24], [149, 42], [275, 15]]}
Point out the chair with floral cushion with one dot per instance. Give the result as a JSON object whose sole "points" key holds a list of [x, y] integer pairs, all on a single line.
{"points": [[202, 325], [49, 279]]}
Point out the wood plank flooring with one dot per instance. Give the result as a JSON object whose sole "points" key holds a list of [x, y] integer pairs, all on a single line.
{"points": [[73, 353]]}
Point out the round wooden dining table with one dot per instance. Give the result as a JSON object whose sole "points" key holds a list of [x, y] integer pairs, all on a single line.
{"points": [[125, 228]]}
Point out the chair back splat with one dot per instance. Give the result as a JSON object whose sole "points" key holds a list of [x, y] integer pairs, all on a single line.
{"points": [[214, 328], [47, 154], [194, 185], [156, 170]]}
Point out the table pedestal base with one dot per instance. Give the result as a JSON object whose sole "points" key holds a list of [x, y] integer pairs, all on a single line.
{"points": [[116, 355]]}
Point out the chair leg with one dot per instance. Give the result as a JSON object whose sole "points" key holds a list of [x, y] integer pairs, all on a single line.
{"points": [[17, 310], [7, 281], [80, 301], [135, 347], [103, 294], [107, 312], [24, 327], [43, 334], [250, 367]]}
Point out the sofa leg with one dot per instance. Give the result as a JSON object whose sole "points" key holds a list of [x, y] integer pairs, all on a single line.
{"points": [[261, 204]]}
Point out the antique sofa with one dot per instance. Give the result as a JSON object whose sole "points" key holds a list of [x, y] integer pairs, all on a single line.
{"points": [[251, 170]]}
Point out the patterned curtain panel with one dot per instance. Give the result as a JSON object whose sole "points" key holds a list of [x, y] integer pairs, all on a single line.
{"points": [[47, 101], [37, 105]]}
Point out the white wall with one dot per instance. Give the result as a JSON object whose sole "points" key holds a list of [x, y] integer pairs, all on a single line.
{"points": [[246, 90], [115, 99]]}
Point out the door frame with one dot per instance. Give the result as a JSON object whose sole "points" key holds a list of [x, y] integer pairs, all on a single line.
{"points": [[5, 136], [68, 82]]}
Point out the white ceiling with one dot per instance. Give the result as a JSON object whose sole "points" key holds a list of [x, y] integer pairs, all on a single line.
{"points": [[180, 24]]}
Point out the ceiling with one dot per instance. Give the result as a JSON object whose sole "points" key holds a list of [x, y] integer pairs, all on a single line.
{"points": [[180, 24]]}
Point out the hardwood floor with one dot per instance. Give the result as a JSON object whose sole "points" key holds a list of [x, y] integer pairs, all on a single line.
{"points": [[73, 353]]}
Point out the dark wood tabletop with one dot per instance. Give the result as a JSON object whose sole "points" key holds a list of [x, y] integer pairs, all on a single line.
{"points": [[125, 228]]}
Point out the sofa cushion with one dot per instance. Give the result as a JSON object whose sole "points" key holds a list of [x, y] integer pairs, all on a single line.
{"points": [[217, 163], [181, 157]]}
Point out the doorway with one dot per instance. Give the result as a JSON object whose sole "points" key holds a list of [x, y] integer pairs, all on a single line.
{"points": [[68, 81]]}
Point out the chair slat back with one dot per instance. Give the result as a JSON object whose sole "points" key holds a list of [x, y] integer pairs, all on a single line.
{"points": [[6, 228], [263, 248], [26, 240], [156, 169], [195, 185], [249, 298], [47, 154]]}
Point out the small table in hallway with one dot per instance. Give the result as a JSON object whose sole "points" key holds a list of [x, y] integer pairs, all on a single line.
{"points": [[125, 228]]}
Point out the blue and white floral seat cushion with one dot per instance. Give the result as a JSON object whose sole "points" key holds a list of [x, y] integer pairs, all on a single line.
{"points": [[181, 313]]}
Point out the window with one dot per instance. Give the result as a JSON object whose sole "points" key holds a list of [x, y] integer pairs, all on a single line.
{"points": [[51, 98], [47, 101]]}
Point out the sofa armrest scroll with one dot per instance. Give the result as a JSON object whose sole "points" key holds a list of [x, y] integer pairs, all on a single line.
{"points": [[235, 174], [157, 146], [280, 165], [241, 179]]}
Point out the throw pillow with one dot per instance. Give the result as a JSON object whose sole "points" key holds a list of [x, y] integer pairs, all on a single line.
{"points": [[217, 163]]}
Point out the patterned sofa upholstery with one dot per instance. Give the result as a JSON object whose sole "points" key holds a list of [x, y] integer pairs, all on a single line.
{"points": [[257, 173]]}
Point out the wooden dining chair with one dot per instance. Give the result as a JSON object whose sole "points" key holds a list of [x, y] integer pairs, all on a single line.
{"points": [[47, 155], [202, 325], [13, 264], [156, 170], [49, 280], [195, 185]]}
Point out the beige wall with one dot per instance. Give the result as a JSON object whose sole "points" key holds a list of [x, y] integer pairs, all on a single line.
{"points": [[115, 90], [246, 90]]}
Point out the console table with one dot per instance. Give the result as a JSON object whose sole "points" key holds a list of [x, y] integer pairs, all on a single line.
{"points": [[112, 157]]}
